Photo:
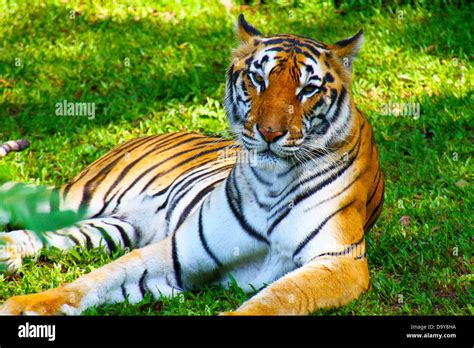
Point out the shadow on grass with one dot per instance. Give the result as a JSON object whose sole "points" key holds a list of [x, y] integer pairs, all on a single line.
{"points": [[127, 68]]}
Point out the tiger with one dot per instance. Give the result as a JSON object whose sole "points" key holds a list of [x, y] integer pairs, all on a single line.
{"points": [[282, 209]]}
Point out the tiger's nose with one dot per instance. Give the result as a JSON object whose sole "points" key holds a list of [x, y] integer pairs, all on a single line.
{"points": [[269, 135]]}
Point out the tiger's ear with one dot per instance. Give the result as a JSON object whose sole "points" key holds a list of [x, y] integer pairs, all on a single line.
{"points": [[347, 49], [245, 30]]}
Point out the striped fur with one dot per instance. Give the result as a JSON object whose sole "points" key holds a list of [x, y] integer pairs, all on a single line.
{"points": [[13, 145], [196, 209]]}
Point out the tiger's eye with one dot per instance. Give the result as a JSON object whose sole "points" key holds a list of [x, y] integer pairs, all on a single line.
{"points": [[308, 89], [258, 78]]}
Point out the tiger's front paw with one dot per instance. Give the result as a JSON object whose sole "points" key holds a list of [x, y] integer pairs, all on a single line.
{"points": [[10, 256], [52, 302]]}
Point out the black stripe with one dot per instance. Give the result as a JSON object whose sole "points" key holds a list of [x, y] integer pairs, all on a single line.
{"points": [[337, 194], [74, 239], [230, 89], [241, 220], [259, 177], [139, 234], [313, 190], [312, 49], [249, 61], [340, 101], [7, 148], [260, 204], [201, 195], [361, 256], [312, 114], [324, 126], [328, 77], [41, 236], [124, 292], [204, 242], [276, 49], [108, 240], [127, 168], [184, 178], [117, 150], [68, 186], [244, 135], [311, 41], [168, 140], [189, 159], [334, 95], [176, 264], [309, 69], [343, 252], [297, 43], [89, 244], [336, 134], [291, 189], [377, 178], [128, 146], [124, 147], [176, 185], [144, 173], [123, 234], [285, 173], [369, 223], [316, 77], [157, 140], [188, 186], [87, 190], [244, 88], [142, 283], [318, 229]]}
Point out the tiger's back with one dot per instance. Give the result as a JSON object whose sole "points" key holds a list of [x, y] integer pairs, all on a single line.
{"points": [[146, 178]]}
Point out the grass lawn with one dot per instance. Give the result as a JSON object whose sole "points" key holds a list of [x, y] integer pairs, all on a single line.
{"points": [[159, 67]]}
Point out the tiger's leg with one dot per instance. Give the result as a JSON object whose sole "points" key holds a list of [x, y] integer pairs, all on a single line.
{"points": [[149, 269], [329, 281], [326, 280], [108, 232]]}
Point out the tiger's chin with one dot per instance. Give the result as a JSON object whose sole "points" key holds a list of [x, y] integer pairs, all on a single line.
{"points": [[269, 160]]}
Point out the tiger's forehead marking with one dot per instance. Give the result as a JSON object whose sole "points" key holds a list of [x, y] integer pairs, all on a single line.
{"points": [[297, 55], [286, 42], [311, 72]]}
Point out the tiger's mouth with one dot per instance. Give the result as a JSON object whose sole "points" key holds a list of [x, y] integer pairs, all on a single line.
{"points": [[263, 152]]}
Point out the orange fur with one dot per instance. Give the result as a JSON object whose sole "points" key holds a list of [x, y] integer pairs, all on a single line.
{"points": [[44, 303]]}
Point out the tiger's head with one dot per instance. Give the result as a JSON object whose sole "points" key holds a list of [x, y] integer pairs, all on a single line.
{"points": [[288, 97]]}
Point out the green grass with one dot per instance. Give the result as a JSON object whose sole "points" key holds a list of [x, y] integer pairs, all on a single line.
{"points": [[178, 55]]}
